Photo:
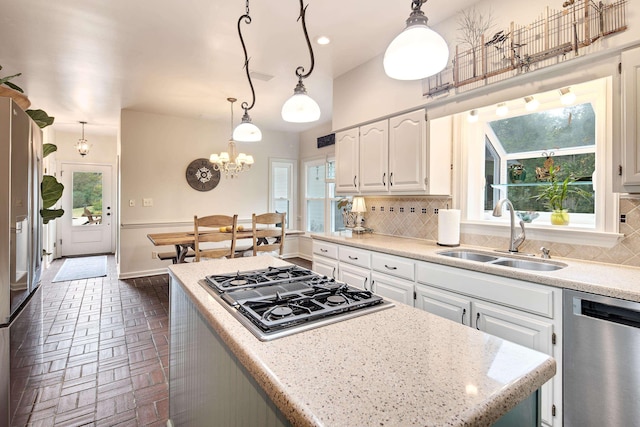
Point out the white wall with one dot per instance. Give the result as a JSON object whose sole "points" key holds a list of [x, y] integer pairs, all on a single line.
{"points": [[365, 93], [155, 152]]}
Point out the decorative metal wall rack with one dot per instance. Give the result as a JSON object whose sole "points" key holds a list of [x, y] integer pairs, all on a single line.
{"points": [[523, 48]]}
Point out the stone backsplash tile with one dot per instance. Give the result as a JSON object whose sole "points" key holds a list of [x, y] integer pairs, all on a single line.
{"points": [[416, 217]]}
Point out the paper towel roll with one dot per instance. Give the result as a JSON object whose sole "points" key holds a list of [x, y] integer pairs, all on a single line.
{"points": [[449, 227]]}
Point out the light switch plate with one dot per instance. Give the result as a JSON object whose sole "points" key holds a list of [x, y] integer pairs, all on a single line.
{"points": [[132, 203]]}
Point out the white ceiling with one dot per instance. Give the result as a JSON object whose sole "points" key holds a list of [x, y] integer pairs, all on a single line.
{"points": [[86, 60]]}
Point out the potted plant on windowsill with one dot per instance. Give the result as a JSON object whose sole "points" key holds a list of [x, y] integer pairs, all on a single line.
{"points": [[555, 194]]}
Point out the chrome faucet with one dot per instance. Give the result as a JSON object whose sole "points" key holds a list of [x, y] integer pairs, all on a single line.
{"points": [[515, 241]]}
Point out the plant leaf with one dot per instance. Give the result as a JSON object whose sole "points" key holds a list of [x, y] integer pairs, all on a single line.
{"points": [[14, 87], [51, 191], [50, 214], [41, 118], [5, 81], [48, 149]]}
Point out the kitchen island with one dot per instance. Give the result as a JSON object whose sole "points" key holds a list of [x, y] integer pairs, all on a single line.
{"points": [[395, 367]]}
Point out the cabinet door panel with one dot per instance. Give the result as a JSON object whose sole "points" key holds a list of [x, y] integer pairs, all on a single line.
{"points": [[523, 330], [374, 146], [631, 113], [393, 288], [354, 276], [347, 160], [326, 267], [443, 304], [407, 152], [510, 325]]}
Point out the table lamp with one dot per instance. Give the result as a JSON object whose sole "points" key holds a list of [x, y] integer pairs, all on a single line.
{"points": [[358, 206]]}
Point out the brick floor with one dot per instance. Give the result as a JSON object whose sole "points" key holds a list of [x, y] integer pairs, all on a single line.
{"points": [[98, 358]]}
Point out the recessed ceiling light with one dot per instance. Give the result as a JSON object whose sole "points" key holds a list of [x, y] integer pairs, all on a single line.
{"points": [[322, 40], [502, 109]]}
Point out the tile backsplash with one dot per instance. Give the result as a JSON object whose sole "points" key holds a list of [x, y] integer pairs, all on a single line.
{"points": [[416, 217]]}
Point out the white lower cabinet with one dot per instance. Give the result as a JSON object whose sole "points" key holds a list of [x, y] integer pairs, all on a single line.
{"points": [[325, 266], [444, 304], [511, 317], [325, 259], [393, 288], [355, 276]]}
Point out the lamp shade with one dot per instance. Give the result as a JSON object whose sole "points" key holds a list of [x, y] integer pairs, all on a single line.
{"points": [[247, 132], [300, 108], [358, 205], [416, 53]]}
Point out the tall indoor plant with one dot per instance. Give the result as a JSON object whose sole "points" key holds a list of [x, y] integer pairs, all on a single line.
{"points": [[554, 195]]}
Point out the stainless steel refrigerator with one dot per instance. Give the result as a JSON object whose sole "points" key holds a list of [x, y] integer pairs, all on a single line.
{"points": [[20, 235]]}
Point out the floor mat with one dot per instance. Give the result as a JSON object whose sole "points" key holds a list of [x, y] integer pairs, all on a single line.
{"points": [[82, 268]]}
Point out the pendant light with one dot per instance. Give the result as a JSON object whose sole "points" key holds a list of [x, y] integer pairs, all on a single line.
{"points": [[230, 162], [301, 108], [418, 51], [82, 145], [247, 131]]}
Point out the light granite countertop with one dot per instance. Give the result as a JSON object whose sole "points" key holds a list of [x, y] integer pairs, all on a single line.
{"points": [[396, 367], [598, 278]]}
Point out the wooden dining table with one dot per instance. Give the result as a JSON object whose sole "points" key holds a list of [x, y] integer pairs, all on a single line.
{"points": [[184, 240]]}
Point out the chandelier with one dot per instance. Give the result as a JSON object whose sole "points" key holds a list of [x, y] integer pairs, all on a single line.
{"points": [[82, 145], [231, 162]]}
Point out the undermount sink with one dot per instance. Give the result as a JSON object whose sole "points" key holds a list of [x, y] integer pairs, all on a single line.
{"points": [[523, 264], [471, 256]]}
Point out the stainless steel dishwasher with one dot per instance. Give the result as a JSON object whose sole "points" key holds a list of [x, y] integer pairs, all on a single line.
{"points": [[601, 361]]}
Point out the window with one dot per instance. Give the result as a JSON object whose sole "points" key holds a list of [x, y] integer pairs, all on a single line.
{"points": [[521, 150], [282, 188], [321, 204], [509, 157]]}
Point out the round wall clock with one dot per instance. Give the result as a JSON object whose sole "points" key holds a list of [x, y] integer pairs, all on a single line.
{"points": [[202, 176]]}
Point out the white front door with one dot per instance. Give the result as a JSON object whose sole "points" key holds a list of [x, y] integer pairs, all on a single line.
{"points": [[85, 227]]}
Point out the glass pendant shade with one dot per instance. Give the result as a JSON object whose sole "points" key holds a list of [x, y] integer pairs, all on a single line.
{"points": [[416, 53], [247, 131], [300, 108]]}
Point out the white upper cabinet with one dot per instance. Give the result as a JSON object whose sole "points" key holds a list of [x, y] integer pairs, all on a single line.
{"points": [[404, 154], [407, 151], [630, 149], [348, 155], [374, 146]]}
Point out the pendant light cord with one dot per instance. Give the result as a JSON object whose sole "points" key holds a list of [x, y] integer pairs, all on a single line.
{"points": [[246, 19], [300, 70], [417, 4]]}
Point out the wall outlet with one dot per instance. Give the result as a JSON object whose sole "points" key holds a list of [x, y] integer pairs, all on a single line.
{"points": [[435, 211], [147, 202], [154, 255]]}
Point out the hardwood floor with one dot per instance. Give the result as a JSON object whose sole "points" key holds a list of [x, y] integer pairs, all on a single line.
{"points": [[99, 358]]}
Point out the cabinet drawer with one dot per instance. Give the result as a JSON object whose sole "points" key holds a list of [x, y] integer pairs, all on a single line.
{"points": [[355, 256], [531, 297], [395, 266], [328, 250]]}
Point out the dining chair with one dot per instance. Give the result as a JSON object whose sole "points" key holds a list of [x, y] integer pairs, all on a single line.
{"points": [[207, 230], [265, 226]]}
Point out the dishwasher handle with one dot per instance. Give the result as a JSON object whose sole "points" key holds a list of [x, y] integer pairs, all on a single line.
{"points": [[609, 313]]}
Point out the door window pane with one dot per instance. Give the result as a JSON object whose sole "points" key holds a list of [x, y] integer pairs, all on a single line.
{"points": [[87, 198]]}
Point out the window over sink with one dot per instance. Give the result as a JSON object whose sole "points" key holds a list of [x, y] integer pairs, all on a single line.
{"points": [[511, 155]]}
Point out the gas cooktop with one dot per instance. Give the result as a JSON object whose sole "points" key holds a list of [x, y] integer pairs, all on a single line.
{"points": [[281, 301]]}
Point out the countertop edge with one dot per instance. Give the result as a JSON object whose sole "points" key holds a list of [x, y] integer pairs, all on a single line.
{"points": [[576, 276]]}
